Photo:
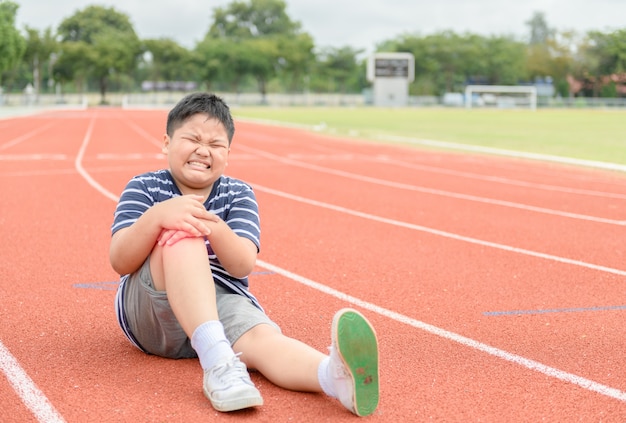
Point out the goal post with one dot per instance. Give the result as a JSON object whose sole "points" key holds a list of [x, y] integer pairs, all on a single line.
{"points": [[502, 96]]}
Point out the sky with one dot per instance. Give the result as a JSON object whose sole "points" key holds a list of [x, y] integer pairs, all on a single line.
{"points": [[360, 24]]}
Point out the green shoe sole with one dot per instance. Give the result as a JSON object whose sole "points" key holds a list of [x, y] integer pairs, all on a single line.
{"points": [[358, 347]]}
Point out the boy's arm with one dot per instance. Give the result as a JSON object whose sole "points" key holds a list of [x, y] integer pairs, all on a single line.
{"points": [[131, 246], [236, 254]]}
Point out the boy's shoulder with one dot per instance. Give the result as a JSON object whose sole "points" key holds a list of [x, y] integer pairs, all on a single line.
{"points": [[158, 184], [228, 183], [160, 173], [161, 176]]}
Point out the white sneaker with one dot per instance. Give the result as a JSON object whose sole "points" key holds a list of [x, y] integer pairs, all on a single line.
{"points": [[228, 386], [354, 362]]}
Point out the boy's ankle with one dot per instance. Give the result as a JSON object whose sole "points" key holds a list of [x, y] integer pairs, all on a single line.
{"points": [[210, 343]]}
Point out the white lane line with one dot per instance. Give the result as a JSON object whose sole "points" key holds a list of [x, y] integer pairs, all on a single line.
{"points": [[27, 157], [467, 342], [79, 165], [24, 137], [26, 389], [432, 191], [38, 172], [130, 156]]}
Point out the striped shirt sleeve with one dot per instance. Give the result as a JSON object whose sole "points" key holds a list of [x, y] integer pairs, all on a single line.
{"points": [[141, 193]]}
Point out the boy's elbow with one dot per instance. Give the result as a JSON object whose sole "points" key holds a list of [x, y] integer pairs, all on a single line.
{"points": [[245, 262], [243, 269], [119, 262], [118, 255], [241, 272], [115, 264]]}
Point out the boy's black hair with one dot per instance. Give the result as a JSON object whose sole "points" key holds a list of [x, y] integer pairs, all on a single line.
{"points": [[203, 103]]}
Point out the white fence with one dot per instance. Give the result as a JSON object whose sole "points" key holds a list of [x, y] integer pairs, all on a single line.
{"points": [[167, 99]]}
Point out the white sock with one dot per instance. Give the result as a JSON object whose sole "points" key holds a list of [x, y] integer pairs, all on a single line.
{"points": [[325, 378], [211, 344]]}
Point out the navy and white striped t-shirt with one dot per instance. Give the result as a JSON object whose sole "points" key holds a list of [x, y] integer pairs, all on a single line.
{"points": [[231, 199]]}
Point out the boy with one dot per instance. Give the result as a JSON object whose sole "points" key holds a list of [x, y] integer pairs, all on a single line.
{"points": [[185, 240]]}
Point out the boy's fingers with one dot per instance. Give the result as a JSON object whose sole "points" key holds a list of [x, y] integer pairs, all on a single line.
{"points": [[212, 217], [164, 237], [178, 235], [198, 228], [203, 229]]}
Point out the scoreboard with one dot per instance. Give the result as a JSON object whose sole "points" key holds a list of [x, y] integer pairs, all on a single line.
{"points": [[390, 74], [391, 68]]}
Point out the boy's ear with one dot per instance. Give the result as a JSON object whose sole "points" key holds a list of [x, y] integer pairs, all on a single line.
{"points": [[166, 143]]}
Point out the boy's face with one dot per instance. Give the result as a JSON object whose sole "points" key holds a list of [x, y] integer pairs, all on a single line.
{"points": [[197, 153]]}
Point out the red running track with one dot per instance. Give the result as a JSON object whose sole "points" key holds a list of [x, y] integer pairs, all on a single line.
{"points": [[495, 284]]}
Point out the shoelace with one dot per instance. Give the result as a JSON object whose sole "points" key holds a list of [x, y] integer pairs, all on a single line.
{"points": [[222, 373]]}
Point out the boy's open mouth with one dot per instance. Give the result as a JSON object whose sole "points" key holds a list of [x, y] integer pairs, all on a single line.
{"points": [[198, 164]]}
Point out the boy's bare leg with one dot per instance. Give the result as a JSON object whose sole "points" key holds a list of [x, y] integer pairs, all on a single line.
{"points": [[183, 271], [284, 361]]}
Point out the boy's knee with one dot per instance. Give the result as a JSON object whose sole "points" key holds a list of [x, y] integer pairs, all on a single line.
{"points": [[184, 246], [257, 335]]}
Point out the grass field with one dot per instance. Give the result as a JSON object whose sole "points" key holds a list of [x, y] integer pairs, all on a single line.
{"points": [[598, 135]]}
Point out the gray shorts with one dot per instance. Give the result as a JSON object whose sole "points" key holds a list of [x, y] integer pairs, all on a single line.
{"points": [[155, 327]]}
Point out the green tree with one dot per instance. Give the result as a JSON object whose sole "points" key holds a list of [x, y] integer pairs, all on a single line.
{"points": [[540, 45], [540, 32], [13, 44], [225, 61], [73, 64], [256, 38], [295, 60], [564, 48], [40, 47], [337, 69], [169, 60], [252, 19], [262, 61], [108, 40], [505, 60], [550, 53], [610, 51], [605, 58]]}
